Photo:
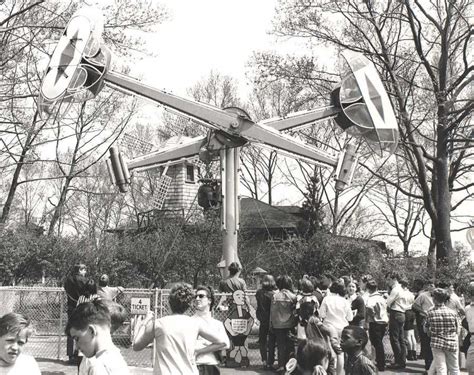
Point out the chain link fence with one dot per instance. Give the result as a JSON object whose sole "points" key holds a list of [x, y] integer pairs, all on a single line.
{"points": [[46, 308]]}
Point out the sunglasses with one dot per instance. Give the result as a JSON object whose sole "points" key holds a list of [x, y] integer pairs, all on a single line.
{"points": [[200, 295]]}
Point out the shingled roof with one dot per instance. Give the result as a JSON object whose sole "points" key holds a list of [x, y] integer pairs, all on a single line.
{"points": [[255, 214]]}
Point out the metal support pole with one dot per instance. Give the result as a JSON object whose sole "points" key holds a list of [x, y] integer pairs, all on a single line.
{"points": [[155, 310], [230, 210]]}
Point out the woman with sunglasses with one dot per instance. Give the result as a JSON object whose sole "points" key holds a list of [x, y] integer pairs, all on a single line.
{"points": [[207, 354], [175, 335]]}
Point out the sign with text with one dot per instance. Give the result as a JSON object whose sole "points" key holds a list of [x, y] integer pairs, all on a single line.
{"points": [[139, 306]]}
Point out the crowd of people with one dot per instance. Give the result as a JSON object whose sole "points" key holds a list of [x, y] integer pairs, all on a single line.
{"points": [[325, 325], [349, 318]]}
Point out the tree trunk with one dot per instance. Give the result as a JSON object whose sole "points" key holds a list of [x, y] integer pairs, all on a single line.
{"points": [[16, 175], [431, 259], [442, 226], [59, 206], [269, 186], [14, 184], [406, 249]]}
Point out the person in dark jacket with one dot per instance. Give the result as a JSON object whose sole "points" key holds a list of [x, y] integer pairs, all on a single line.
{"points": [[282, 318], [75, 286], [265, 336]]}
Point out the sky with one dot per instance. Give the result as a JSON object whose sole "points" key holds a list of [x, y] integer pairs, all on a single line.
{"points": [[206, 35]]}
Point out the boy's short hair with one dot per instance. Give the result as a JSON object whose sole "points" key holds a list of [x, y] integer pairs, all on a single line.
{"points": [[443, 284], [311, 353], [440, 295], [394, 275], [180, 298], [284, 282], [359, 334], [118, 314], [233, 268], [210, 294], [15, 323], [306, 285], [346, 279], [104, 280], [324, 282], [403, 282], [93, 312], [268, 282], [77, 267], [338, 287], [371, 286]]}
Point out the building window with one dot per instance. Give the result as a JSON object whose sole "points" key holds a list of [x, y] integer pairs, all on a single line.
{"points": [[190, 173]]}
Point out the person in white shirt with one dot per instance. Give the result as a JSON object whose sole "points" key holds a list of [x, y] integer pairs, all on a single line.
{"points": [[107, 292], [175, 335], [118, 315], [377, 318], [14, 333], [89, 326], [409, 328], [336, 311], [207, 354], [396, 304]]}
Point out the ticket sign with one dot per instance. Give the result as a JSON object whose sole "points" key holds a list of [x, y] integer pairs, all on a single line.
{"points": [[139, 306]]}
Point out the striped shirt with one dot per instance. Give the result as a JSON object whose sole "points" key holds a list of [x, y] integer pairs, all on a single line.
{"points": [[442, 326]]}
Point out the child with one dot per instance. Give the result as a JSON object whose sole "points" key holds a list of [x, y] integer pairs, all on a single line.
{"points": [[89, 326], [306, 306], [14, 333], [353, 341], [326, 335], [311, 359]]}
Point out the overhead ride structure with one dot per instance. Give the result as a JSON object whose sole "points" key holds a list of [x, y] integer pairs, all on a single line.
{"points": [[79, 68]]}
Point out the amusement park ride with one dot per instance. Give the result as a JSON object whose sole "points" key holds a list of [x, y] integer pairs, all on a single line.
{"points": [[79, 68]]}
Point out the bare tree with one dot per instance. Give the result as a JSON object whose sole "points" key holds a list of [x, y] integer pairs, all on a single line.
{"points": [[423, 51], [216, 89], [26, 32], [405, 214], [92, 132], [259, 166]]}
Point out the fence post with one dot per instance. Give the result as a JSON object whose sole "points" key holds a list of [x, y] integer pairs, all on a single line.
{"points": [[161, 303], [154, 340], [61, 309]]}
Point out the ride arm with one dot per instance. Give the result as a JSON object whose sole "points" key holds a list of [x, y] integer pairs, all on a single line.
{"points": [[298, 119], [278, 141], [211, 117], [177, 152]]}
